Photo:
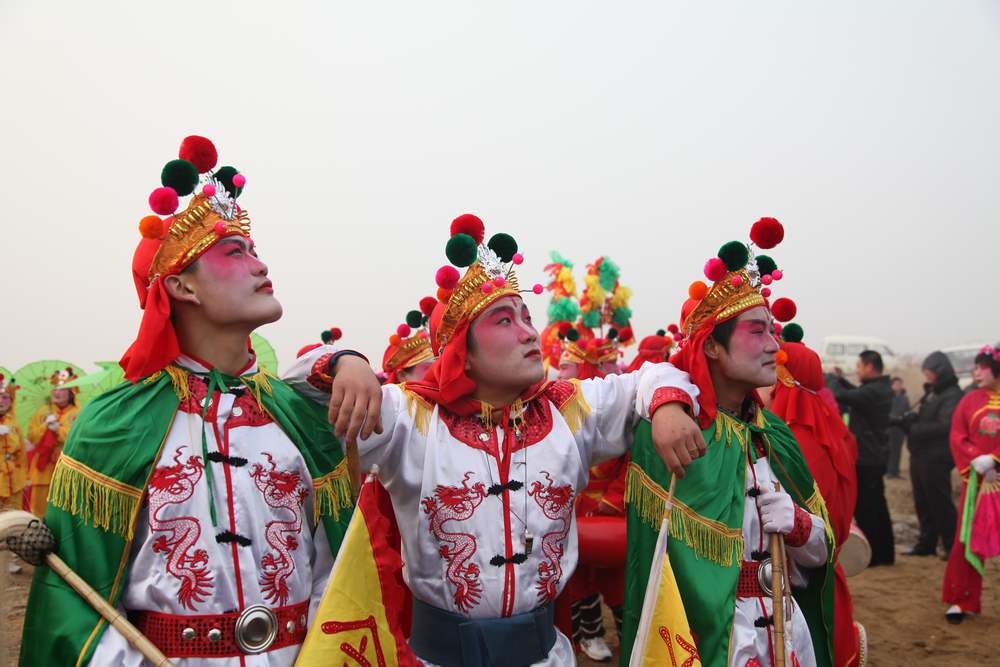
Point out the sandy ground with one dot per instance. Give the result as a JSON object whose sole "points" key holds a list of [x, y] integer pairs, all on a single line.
{"points": [[898, 605]]}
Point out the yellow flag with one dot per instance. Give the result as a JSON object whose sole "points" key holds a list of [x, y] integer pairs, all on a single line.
{"points": [[664, 636], [360, 619]]}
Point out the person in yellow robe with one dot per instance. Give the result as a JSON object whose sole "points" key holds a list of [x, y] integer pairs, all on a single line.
{"points": [[47, 431], [13, 459]]}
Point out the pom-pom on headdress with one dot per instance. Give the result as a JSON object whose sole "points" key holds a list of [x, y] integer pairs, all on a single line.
{"points": [[489, 275], [411, 343], [62, 376], [8, 386], [326, 337]]}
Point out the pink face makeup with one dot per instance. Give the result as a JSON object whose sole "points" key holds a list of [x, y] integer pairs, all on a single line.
{"points": [[5, 402], [232, 284], [754, 337], [749, 358], [505, 351]]}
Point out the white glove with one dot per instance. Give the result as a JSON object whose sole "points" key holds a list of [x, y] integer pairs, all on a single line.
{"points": [[777, 512], [53, 425], [983, 463], [991, 476], [4, 429], [50, 419]]}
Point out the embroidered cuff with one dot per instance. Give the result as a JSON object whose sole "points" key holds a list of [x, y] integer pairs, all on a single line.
{"points": [[801, 530], [319, 375], [665, 395]]}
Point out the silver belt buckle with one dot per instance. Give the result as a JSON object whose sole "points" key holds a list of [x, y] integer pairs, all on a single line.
{"points": [[764, 576], [256, 629]]}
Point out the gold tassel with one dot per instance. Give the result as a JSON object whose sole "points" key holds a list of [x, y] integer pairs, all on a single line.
{"points": [[576, 410], [178, 378], [332, 493], [817, 506], [95, 499], [708, 539], [486, 415], [419, 409]]}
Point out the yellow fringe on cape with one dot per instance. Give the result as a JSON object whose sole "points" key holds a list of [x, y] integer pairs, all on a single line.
{"points": [[708, 539], [576, 410], [817, 506], [94, 498], [332, 493], [257, 382], [178, 378], [419, 409]]}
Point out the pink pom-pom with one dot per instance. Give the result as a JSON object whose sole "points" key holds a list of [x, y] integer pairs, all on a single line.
{"points": [[487, 288], [737, 281], [538, 289], [765, 292], [518, 258], [220, 228], [163, 201], [403, 330], [239, 180], [778, 328], [777, 274], [208, 190], [766, 279], [715, 269], [499, 282], [447, 277]]}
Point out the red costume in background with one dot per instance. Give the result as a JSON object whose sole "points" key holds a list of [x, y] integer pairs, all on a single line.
{"points": [[975, 431], [830, 451]]}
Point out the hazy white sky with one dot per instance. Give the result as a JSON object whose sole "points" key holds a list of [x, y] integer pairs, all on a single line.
{"points": [[648, 131]]}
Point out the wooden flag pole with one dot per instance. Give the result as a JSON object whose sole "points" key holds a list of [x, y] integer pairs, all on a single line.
{"points": [[778, 593]]}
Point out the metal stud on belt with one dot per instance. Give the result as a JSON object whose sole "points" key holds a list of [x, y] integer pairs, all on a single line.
{"points": [[764, 576], [256, 629]]}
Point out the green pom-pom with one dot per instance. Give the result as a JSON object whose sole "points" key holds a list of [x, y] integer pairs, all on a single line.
{"points": [[461, 250], [225, 175], [592, 319], [735, 255], [612, 334], [792, 333], [504, 246], [414, 319], [573, 335], [559, 259], [607, 274], [621, 316], [180, 175], [766, 265], [661, 332], [326, 336], [424, 320], [563, 309]]}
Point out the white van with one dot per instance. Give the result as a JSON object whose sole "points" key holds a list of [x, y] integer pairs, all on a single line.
{"points": [[843, 351], [963, 358]]}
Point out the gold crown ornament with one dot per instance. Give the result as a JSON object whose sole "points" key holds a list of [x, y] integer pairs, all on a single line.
{"points": [[411, 344], [211, 214], [489, 275], [62, 376], [740, 280]]}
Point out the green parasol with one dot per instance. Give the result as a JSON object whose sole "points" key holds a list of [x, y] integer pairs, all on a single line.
{"points": [[33, 380], [267, 358], [93, 385]]}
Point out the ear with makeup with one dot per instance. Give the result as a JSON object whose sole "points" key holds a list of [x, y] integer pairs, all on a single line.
{"points": [[181, 287], [713, 350]]}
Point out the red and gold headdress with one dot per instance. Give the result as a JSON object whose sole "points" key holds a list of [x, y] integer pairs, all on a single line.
{"points": [[740, 281], [411, 344], [326, 337], [8, 387], [63, 376], [654, 349], [172, 243]]}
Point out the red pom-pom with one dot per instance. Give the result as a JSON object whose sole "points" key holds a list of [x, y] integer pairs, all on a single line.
{"points": [[443, 294], [336, 333], [537, 288], [766, 279], [151, 227], [715, 269], [394, 339], [564, 327], [784, 310], [447, 277], [518, 258], [500, 281], [403, 330], [427, 305], [239, 180], [487, 288], [163, 201], [737, 281], [777, 329], [777, 274], [765, 292], [673, 328], [625, 335], [220, 228], [767, 233], [200, 152], [697, 290], [469, 224]]}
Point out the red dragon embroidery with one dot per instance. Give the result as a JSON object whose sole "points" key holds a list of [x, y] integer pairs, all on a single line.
{"points": [[281, 490], [557, 505], [174, 485], [457, 503]]}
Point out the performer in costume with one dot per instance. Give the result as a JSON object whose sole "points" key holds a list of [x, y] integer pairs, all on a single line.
{"points": [[483, 459], [327, 337], [975, 446], [204, 498], [830, 451], [409, 355], [47, 431], [654, 349], [14, 463], [753, 482]]}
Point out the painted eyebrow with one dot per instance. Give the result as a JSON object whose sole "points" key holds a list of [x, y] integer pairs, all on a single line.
{"points": [[501, 308], [240, 241]]}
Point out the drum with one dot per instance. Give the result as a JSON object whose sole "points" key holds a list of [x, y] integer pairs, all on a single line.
{"points": [[856, 553], [602, 540]]}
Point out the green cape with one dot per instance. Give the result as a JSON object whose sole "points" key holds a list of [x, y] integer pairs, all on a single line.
{"points": [[706, 532], [100, 482]]}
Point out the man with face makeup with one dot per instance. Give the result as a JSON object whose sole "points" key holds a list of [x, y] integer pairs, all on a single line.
{"points": [[483, 459], [975, 447], [204, 497], [47, 431], [752, 483]]}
